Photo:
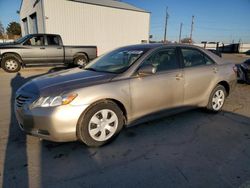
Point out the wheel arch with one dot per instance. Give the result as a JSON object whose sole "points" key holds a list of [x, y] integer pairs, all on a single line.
{"points": [[13, 54], [117, 102], [105, 100], [80, 53], [226, 85]]}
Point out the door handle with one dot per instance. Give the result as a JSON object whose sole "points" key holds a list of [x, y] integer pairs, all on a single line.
{"points": [[59, 48], [42, 48], [179, 76], [215, 70]]}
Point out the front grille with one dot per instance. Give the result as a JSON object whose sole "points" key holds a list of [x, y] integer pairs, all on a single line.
{"points": [[21, 100]]}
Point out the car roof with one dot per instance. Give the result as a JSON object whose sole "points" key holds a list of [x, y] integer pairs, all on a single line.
{"points": [[35, 34], [215, 57], [156, 45]]}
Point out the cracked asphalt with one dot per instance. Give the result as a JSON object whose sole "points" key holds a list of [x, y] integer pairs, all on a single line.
{"points": [[189, 149]]}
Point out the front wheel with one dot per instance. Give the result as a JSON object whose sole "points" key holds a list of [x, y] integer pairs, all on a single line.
{"points": [[10, 64], [217, 99], [100, 124]]}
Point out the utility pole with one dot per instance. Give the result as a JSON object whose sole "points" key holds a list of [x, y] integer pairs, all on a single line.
{"points": [[192, 29], [166, 25], [180, 32]]}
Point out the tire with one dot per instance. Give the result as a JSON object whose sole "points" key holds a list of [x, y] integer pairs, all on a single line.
{"points": [[11, 63], [217, 99], [81, 60], [95, 130]]}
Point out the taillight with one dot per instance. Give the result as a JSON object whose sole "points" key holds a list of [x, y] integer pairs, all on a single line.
{"points": [[235, 69]]}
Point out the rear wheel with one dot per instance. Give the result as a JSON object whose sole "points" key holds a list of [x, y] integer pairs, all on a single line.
{"points": [[11, 64], [100, 124], [81, 60], [217, 99]]}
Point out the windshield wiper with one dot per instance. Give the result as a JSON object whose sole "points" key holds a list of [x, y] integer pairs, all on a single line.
{"points": [[90, 69], [95, 70]]}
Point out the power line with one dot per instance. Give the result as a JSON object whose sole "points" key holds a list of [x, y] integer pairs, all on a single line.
{"points": [[223, 29]]}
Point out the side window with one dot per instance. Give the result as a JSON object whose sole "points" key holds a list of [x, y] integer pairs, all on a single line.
{"points": [[163, 60], [53, 40], [208, 60], [35, 41], [194, 58]]}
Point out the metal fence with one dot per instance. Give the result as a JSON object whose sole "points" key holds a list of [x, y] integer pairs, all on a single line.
{"points": [[227, 48], [6, 40]]}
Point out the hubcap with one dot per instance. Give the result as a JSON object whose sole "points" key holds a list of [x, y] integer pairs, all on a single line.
{"points": [[218, 100], [81, 62], [103, 125], [11, 64]]}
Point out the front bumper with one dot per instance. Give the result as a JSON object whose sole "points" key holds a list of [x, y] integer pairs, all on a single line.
{"points": [[53, 123], [243, 74]]}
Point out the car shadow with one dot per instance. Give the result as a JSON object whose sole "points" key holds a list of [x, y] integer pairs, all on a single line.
{"points": [[189, 149], [15, 173], [15, 139]]}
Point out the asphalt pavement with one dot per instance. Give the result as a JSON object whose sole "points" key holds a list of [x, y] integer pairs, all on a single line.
{"points": [[189, 149]]}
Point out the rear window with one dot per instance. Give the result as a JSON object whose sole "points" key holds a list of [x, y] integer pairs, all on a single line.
{"points": [[193, 58], [53, 40]]}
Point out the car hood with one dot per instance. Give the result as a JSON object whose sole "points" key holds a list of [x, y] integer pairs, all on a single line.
{"points": [[7, 44], [64, 81]]}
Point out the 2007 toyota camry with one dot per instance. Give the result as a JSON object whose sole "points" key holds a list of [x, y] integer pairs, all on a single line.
{"points": [[117, 89]]}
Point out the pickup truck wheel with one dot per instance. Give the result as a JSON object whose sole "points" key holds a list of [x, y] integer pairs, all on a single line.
{"points": [[11, 64], [81, 60], [100, 124]]}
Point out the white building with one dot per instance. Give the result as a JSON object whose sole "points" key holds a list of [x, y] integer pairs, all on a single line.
{"points": [[107, 24]]}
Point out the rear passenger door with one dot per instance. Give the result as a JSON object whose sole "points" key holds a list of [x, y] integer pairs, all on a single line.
{"points": [[199, 74], [54, 49]]}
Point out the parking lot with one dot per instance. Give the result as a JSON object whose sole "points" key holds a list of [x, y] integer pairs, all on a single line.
{"points": [[189, 149]]}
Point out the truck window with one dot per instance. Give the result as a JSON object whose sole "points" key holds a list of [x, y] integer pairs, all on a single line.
{"points": [[53, 40], [35, 41]]}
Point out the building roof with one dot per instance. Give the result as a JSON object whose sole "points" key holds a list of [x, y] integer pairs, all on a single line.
{"points": [[112, 4]]}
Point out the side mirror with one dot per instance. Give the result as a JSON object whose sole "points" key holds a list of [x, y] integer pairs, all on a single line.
{"points": [[146, 70]]}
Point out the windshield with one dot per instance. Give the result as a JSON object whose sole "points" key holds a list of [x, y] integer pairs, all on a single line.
{"points": [[22, 39], [116, 61]]}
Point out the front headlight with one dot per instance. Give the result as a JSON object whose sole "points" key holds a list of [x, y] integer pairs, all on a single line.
{"points": [[52, 101]]}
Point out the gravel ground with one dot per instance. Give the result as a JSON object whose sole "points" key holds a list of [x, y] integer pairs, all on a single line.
{"points": [[190, 149]]}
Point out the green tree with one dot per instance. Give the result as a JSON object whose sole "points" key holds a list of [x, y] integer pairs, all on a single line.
{"points": [[1, 29], [13, 28]]}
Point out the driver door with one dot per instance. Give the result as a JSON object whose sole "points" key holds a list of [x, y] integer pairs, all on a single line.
{"points": [[159, 91], [34, 50]]}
